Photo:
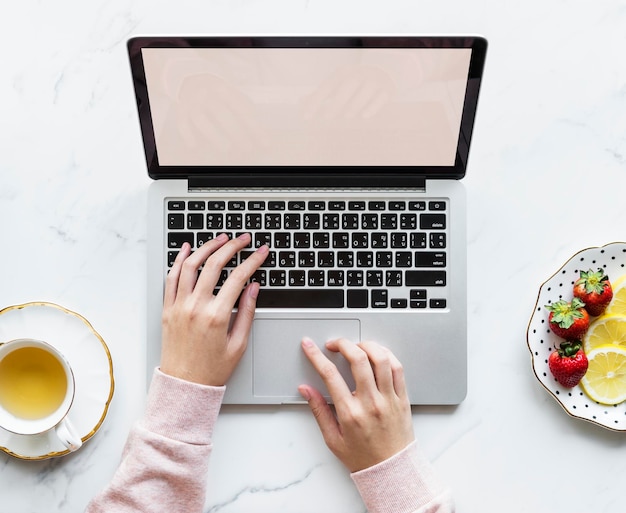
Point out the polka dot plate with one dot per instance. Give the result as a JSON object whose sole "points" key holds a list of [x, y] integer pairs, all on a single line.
{"points": [[541, 341]]}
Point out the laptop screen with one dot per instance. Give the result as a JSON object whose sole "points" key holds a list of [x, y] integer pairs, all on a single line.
{"points": [[294, 105]]}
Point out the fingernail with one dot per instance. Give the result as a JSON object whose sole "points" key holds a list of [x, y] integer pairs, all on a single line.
{"points": [[304, 392], [222, 236], [307, 342], [263, 249], [254, 290]]}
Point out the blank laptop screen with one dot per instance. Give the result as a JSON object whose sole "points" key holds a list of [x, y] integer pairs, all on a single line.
{"points": [[306, 106]]}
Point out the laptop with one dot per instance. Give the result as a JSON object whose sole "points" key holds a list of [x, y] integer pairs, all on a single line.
{"points": [[345, 155]]}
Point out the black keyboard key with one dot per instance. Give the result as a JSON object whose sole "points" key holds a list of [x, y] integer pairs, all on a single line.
{"points": [[276, 205], [282, 240], [305, 298], [253, 221], [317, 205], [296, 205], [278, 278], [418, 240], [438, 240], [311, 221], [369, 222], [176, 205], [379, 298], [176, 221], [321, 240], [217, 205], [393, 278], [357, 298], [389, 221], [341, 240], [429, 259], [203, 237], [301, 240], [397, 205], [196, 222], [374, 278], [177, 239], [256, 205], [315, 278], [433, 222], [417, 205], [335, 279], [297, 278], [356, 205], [336, 205], [330, 222], [196, 205], [236, 205], [425, 278], [438, 303], [350, 221], [345, 259], [398, 303], [234, 221], [286, 259], [214, 221], [306, 259], [292, 221], [326, 259], [273, 221], [436, 205], [376, 205], [408, 221], [354, 278]]}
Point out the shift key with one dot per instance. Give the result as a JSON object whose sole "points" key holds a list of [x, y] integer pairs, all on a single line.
{"points": [[425, 278]]}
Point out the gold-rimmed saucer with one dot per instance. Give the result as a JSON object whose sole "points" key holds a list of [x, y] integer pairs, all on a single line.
{"points": [[91, 364]]}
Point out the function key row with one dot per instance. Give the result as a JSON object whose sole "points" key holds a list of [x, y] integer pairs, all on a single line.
{"points": [[316, 205]]}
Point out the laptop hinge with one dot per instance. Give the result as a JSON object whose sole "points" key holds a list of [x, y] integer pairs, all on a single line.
{"points": [[281, 181]]}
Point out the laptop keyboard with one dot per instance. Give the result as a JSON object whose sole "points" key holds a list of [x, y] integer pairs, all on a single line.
{"points": [[325, 253]]}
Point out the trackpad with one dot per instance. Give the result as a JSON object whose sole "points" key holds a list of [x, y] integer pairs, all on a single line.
{"points": [[280, 365]]}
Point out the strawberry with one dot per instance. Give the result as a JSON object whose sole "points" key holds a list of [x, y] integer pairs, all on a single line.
{"points": [[568, 364], [594, 289], [568, 320]]}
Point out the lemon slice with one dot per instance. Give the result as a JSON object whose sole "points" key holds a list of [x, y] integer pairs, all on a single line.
{"points": [[606, 330], [617, 306], [605, 380]]}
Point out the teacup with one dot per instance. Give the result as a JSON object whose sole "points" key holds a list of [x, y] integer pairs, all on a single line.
{"points": [[36, 390]]}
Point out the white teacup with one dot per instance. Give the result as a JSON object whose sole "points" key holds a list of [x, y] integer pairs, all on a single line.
{"points": [[36, 390]]}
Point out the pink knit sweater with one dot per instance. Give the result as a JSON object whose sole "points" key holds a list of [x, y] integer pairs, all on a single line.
{"points": [[164, 463]]}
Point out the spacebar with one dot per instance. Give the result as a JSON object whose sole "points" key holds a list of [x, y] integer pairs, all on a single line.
{"points": [[295, 298]]}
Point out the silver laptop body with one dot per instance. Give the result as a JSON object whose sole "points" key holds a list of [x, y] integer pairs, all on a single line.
{"points": [[345, 154]]}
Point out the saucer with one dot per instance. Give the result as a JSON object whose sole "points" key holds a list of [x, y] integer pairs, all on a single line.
{"points": [[91, 364], [541, 341]]}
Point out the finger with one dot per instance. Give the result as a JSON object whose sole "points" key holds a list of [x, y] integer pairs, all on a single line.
{"points": [[336, 385], [397, 370], [238, 277], [216, 262], [323, 416], [171, 282], [189, 272], [380, 360], [240, 330], [359, 364]]}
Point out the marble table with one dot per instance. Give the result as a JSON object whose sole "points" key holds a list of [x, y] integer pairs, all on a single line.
{"points": [[547, 177]]}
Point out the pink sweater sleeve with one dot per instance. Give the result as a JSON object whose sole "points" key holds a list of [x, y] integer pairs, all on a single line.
{"points": [[165, 460], [164, 463], [404, 483]]}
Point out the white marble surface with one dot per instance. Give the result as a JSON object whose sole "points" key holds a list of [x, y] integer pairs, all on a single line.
{"points": [[549, 138]]}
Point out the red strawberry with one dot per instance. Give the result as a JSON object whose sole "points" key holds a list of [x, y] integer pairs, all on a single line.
{"points": [[568, 364], [568, 320], [594, 289]]}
